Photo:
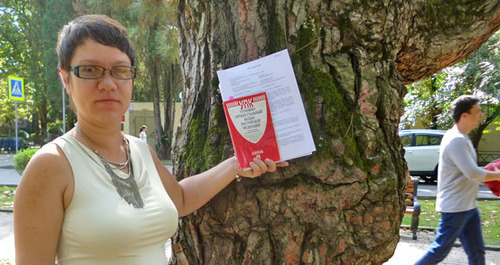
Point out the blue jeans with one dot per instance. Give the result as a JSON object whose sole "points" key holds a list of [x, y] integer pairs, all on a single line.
{"points": [[464, 225]]}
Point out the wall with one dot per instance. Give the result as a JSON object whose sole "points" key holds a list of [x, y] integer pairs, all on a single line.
{"points": [[490, 142], [142, 113]]}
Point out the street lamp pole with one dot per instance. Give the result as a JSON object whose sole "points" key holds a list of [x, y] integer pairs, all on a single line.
{"points": [[17, 134]]}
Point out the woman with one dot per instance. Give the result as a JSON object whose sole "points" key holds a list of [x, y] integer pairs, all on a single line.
{"points": [[95, 196], [142, 133]]}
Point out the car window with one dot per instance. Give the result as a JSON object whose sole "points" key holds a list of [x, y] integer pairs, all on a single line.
{"points": [[406, 140], [428, 140]]}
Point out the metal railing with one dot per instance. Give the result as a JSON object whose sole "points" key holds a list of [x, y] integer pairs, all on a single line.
{"points": [[484, 158]]}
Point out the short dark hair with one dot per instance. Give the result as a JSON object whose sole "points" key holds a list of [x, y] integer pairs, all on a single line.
{"points": [[462, 104], [99, 28]]}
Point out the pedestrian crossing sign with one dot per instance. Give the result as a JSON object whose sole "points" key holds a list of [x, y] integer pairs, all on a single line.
{"points": [[16, 89]]}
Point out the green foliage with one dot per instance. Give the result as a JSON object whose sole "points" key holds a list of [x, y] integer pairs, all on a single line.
{"points": [[22, 158], [58, 13], [490, 219], [482, 68], [55, 128], [428, 101], [13, 56], [27, 49]]}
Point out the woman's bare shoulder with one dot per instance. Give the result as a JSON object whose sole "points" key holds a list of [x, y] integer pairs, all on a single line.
{"points": [[49, 165]]}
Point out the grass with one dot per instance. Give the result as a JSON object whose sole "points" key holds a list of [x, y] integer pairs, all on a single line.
{"points": [[7, 197], [490, 216]]}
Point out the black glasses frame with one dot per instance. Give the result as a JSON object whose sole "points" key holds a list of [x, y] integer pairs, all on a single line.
{"points": [[76, 71]]}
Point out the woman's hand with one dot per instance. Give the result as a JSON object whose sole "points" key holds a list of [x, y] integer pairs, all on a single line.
{"points": [[260, 167]]}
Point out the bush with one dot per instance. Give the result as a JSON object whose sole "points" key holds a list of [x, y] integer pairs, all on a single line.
{"points": [[22, 158]]}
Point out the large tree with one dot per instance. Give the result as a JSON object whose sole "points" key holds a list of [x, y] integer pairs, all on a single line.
{"points": [[343, 204], [155, 35]]}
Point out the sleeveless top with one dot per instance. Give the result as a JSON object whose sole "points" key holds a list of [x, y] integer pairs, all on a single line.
{"points": [[100, 227]]}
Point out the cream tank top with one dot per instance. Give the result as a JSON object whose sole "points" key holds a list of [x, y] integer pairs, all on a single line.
{"points": [[100, 227]]}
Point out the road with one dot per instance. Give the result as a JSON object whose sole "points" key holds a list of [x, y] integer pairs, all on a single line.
{"points": [[428, 191]]}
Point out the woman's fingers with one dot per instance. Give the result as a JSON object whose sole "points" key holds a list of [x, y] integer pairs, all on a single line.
{"points": [[282, 164], [271, 165], [260, 167], [256, 171]]}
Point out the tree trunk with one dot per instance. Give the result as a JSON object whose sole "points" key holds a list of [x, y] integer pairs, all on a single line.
{"points": [[343, 204], [153, 65], [168, 75], [478, 134], [155, 76]]}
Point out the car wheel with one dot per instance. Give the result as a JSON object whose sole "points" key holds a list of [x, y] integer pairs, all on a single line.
{"points": [[435, 175]]}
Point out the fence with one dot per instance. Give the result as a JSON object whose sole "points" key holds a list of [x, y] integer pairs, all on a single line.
{"points": [[484, 158]]}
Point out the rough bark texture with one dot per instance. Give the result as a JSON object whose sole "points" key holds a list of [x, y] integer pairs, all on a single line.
{"points": [[444, 32], [344, 204]]}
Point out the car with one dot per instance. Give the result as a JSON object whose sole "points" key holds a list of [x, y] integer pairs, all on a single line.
{"points": [[422, 152]]}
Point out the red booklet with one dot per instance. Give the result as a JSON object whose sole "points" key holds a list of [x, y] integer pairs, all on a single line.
{"points": [[495, 184], [251, 128]]}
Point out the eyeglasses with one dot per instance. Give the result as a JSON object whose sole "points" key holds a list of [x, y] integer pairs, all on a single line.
{"points": [[95, 72]]}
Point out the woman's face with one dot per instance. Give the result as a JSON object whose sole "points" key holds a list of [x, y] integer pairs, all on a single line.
{"points": [[102, 100]]}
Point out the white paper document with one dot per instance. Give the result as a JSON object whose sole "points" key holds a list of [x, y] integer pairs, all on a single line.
{"points": [[274, 75]]}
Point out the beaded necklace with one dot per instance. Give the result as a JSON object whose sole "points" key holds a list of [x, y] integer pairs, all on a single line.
{"points": [[126, 188]]}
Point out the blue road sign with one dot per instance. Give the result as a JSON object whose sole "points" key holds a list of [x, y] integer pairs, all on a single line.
{"points": [[16, 89]]}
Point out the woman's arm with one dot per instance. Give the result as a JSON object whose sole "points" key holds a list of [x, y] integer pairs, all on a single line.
{"points": [[191, 193], [39, 207]]}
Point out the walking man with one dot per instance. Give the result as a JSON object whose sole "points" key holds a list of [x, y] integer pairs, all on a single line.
{"points": [[459, 177]]}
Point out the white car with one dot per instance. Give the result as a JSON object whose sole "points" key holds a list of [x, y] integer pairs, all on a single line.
{"points": [[422, 152]]}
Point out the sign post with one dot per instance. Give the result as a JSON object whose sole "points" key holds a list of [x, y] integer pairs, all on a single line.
{"points": [[16, 92]]}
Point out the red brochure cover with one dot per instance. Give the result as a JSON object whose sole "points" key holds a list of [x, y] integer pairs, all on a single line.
{"points": [[251, 128], [495, 184]]}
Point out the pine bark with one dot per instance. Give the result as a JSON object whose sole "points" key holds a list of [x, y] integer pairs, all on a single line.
{"points": [[343, 204]]}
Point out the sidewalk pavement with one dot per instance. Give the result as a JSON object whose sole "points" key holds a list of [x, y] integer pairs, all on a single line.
{"points": [[7, 252], [8, 176], [409, 251]]}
